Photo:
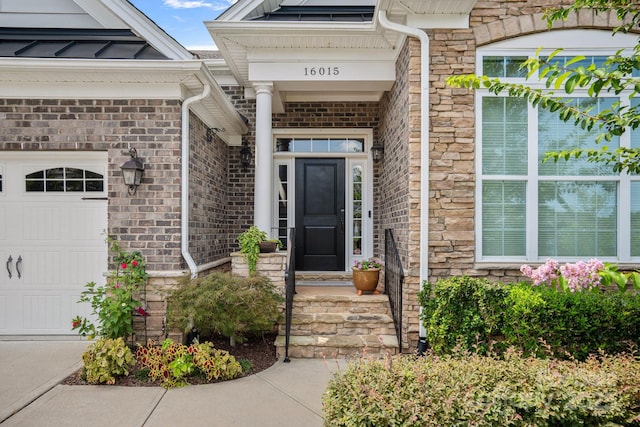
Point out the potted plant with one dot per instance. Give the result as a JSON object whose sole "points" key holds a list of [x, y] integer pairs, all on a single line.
{"points": [[365, 275], [250, 245]]}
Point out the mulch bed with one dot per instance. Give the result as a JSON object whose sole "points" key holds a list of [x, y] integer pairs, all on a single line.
{"points": [[260, 351]]}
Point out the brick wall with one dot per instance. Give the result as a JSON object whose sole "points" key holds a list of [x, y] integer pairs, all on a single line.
{"points": [[148, 221], [208, 195]]}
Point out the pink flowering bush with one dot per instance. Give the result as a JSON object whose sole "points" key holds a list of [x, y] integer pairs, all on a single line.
{"points": [[580, 275]]}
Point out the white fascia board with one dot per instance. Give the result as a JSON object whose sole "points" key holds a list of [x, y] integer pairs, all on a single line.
{"points": [[143, 26], [274, 27], [239, 10], [328, 54], [438, 21], [98, 65], [75, 90]]}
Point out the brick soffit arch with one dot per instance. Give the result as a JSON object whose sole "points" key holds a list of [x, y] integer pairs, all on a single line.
{"points": [[517, 26]]}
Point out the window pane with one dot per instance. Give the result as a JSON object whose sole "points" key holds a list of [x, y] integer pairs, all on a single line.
{"points": [[503, 218], [504, 136], [56, 186], [503, 66], [577, 219], [94, 186], [555, 135], [56, 173], [635, 218], [72, 173], [74, 186], [34, 186]]}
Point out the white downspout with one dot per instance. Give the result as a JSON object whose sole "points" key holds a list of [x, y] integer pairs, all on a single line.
{"points": [[184, 214], [424, 142]]}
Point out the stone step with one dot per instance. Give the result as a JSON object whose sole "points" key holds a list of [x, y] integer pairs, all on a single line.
{"points": [[337, 346], [309, 304], [340, 324]]}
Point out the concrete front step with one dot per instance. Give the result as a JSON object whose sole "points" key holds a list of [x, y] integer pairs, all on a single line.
{"points": [[309, 304], [340, 324], [337, 346]]}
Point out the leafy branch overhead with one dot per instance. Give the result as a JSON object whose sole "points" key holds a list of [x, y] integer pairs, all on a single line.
{"points": [[614, 76]]}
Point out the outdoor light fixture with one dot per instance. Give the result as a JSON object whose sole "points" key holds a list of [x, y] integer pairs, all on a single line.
{"points": [[132, 171], [245, 156], [211, 132], [377, 151]]}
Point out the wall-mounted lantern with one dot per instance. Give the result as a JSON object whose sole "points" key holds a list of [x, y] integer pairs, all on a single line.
{"points": [[245, 156], [377, 152], [132, 171]]}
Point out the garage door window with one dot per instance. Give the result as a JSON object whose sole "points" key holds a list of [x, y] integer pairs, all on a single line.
{"points": [[64, 180]]}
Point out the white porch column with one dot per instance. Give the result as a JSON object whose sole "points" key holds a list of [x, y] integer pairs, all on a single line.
{"points": [[264, 158]]}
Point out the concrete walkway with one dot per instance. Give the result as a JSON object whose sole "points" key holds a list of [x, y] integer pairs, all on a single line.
{"points": [[286, 394]]}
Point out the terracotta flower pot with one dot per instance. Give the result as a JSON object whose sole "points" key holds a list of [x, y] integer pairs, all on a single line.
{"points": [[366, 280]]}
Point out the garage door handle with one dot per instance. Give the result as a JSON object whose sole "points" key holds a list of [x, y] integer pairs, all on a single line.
{"points": [[18, 262], [9, 261]]}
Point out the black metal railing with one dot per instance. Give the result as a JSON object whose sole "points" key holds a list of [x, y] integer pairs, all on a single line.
{"points": [[290, 289], [393, 280]]}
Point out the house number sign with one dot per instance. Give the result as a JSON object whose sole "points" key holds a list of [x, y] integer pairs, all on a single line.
{"points": [[321, 71]]}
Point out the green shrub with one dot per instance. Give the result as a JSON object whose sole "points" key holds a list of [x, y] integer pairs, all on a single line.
{"points": [[539, 319], [174, 363], [224, 304], [461, 309], [106, 359], [474, 390]]}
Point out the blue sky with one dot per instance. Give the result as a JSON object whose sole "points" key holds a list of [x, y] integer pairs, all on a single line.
{"points": [[182, 19]]}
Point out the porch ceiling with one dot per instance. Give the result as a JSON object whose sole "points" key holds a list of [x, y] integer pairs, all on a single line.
{"points": [[239, 37]]}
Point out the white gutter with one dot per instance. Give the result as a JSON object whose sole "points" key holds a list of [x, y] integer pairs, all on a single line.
{"points": [[424, 142], [184, 214]]}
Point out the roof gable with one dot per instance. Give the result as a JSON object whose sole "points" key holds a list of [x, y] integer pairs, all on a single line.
{"points": [[66, 20]]}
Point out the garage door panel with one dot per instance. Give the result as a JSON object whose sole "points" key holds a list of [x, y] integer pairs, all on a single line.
{"points": [[42, 313], [84, 265], [41, 223], [3, 312], [85, 223], [3, 223], [41, 269]]}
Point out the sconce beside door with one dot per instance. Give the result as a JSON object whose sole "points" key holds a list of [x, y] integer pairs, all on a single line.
{"points": [[132, 171], [377, 152], [245, 156]]}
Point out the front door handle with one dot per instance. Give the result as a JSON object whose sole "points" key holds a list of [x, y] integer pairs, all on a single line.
{"points": [[342, 219], [9, 261], [18, 262]]}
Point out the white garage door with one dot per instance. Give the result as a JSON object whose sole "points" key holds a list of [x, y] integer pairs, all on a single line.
{"points": [[53, 221]]}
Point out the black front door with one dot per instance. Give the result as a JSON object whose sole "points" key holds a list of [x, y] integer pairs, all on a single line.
{"points": [[320, 214]]}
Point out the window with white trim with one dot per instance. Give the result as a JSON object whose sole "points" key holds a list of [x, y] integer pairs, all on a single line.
{"points": [[530, 211]]}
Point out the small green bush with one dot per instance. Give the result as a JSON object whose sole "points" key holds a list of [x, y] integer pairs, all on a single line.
{"points": [[106, 359], [461, 309], [174, 363], [223, 304], [474, 390]]}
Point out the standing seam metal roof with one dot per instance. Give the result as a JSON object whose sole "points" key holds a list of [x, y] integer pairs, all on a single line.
{"points": [[75, 43]]}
